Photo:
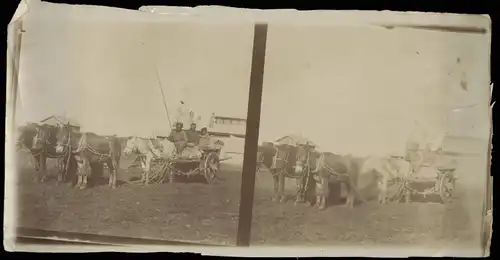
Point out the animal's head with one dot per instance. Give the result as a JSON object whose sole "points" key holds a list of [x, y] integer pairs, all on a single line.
{"points": [[304, 153], [41, 138], [266, 153], [63, 135], [130, 146]]}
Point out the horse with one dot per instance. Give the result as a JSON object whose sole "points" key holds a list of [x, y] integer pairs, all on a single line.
{"points": [[327, 167], [280, 160], [386, 170], [148, 149], [87, 148], [40, 141]]}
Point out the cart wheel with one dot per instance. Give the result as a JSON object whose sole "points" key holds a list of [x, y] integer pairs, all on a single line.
{"points": [[446, 187], [211, 167]]}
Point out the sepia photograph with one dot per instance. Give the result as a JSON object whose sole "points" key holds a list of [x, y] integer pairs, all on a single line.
{"points": [[369, 133], [131, 127], [373, 136]]}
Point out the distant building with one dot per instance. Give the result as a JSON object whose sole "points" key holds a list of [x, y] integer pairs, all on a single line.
{"points": [[231, 131], [59, 121], [228, 126]]}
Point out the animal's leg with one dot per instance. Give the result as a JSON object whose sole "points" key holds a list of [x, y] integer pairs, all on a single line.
{"points": [[275, 186], [300, 190], [351, 196], [317, 202], [84, 182], [60, 169], [85, 171], [79, 182], [348, 196], [146, 171], [326, 191], [407, 195], [36, 160], [322, 204], [43, 167], [143, 166], [112, 173], [63, 167], [281, 191], [303, 189], [382, 186], [115, 173], [385, 184]]}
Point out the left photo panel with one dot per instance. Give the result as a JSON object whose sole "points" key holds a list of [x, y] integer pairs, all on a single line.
{"points": [[131, 125]]}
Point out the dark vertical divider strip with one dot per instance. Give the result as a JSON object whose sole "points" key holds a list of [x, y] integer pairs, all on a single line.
{"points": [[252, 135]]}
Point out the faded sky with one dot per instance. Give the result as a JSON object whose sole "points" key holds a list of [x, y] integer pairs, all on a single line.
{"points": [[102, 71], [364, 90], [350, 89]]}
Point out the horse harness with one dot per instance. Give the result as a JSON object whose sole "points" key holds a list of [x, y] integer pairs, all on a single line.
{"points": [[44, 149], [306, 170], [84, 145], [321, 163]]}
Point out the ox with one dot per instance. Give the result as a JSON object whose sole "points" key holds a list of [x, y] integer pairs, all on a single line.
{"points": [[88, 148], [148, 149], [40, 141]]}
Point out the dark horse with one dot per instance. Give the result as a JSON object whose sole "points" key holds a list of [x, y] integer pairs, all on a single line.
{"points": [[281, 161], [89, 148], [40, 140]]}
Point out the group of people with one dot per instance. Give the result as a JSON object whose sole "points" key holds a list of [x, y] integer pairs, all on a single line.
{"points": [[189, 139]]}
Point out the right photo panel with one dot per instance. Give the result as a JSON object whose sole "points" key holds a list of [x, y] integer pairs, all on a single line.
{"points": [[373, 136]]}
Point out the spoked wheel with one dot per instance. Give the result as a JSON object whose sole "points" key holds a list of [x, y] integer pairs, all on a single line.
{"points": [[212, 167], [446, 187]]}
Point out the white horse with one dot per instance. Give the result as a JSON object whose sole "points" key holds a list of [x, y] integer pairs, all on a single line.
{"points": [[149, 149], [386, 169]]}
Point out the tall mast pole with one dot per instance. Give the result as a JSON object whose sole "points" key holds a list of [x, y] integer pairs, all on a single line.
{"points": [[163, 98]]}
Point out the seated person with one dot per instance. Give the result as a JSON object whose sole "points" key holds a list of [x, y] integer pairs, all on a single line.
{"points": [[205, 141], [192, 136], [191, 150], [178, 137]]}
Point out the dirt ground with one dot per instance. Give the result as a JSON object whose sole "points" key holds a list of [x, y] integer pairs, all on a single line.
{"points": [[204, 213], [427, 223], [194, 212]]}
